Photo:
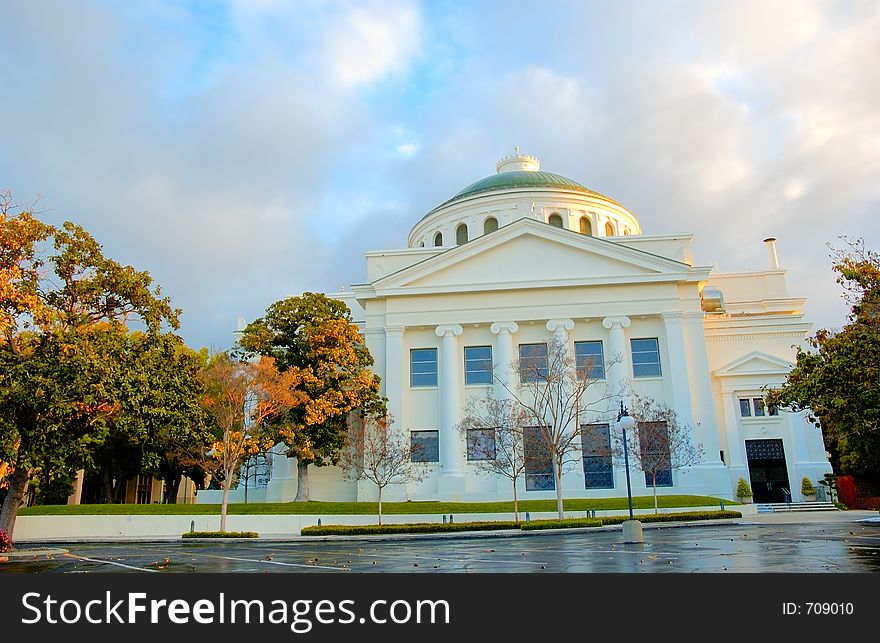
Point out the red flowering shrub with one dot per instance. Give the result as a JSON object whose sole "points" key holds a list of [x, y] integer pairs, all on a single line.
{"points": [[5, 542], [846, 491]]}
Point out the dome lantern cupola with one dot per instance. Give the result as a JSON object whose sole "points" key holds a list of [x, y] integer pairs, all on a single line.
{"points": [[518, 163]]}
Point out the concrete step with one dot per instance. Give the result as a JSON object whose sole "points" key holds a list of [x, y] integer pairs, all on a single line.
{"points": [[778, 507]]}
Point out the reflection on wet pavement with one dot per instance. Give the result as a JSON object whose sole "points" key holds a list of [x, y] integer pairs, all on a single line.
{"points": [[834, 547]]}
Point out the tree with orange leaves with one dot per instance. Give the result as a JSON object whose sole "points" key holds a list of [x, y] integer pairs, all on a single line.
{"points": [[243, 397], [63, 318], [315, 335]]}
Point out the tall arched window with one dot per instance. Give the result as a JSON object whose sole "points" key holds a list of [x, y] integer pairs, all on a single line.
{"points": [[438, 239], [490, 225], [555, 220], [609, 230], [461, 234], [421, 244], [586, 228]]}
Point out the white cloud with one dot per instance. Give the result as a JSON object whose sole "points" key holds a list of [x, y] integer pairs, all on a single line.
{"points": [[369, 43]]}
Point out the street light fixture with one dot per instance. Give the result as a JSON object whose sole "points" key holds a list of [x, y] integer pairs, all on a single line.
{"points": [[625, 422]]}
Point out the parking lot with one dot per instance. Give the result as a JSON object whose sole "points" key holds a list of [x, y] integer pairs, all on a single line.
{"points": [[812, 547]]}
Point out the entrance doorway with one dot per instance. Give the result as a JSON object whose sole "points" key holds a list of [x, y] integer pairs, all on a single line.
{"points": [[767, 470]]}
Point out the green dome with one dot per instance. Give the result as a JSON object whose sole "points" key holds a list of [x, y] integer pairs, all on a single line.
{"points": [[521, 179]]}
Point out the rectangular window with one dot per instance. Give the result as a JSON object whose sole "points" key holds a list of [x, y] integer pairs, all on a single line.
{"points": [[654, 448], [646, 357], [589, 360], [423, 367], [481, 444], [477, 364], [759, 406], [539, 466], [532, 362], [745, 408], [425, 446], [596, 448]]}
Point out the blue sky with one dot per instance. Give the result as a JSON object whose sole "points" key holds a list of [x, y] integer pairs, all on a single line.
{"points": [[247, 150]]}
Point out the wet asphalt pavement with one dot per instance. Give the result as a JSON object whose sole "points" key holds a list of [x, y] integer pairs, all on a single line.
{"points": [[790, 548]]}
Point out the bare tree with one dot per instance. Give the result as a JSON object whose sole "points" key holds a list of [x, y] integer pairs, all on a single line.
{"points": [[560, 399], [660, 442], [254, 468], [243, 397], [375, 451], [494, 431]]}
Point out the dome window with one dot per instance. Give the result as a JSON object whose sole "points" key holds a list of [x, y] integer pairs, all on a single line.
{"points": [[461, 234], [555, 220], [609, 230], [421, 244], [438, 239], [585, 227], [490, 225]]}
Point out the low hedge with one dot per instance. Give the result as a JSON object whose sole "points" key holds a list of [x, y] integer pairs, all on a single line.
{"points": [[673, 517], [407, 528], [560, 524], [220, 534]]}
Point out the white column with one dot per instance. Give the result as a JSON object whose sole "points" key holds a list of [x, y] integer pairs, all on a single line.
{"points": [[395, 371], [560, 328], [702, 398], [735, 444], [451, 452], [505, 357], [678, 371], [618, 373]]}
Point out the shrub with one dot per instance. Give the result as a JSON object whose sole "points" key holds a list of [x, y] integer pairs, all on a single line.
{"points": [[220, 534], [407, 528], [5, 542], [560, 524], [846, 491], [807, 487], [743, 490], [674, 517]]}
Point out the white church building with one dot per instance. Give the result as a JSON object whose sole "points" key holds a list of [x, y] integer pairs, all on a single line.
{"points": [[522, 257]]}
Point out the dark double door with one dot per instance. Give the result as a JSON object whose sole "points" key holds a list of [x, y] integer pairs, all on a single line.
{"points": [[767, 470]]}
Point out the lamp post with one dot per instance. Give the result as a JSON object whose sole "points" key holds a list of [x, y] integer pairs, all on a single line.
{"points": [[632, 528], [624, 421]]}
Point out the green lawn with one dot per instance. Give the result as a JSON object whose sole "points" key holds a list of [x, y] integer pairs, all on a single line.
{"points": [[339, 508]]}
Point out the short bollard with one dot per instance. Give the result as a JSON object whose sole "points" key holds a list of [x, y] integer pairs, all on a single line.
{"points": [[319, 522], [450, 519], [192, 526], [444, 519], [528, 517], [722, 505]]}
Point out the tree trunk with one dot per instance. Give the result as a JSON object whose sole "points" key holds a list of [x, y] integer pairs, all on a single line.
{"points": [[302, 481], [173, 486], [14, 496], [515, 503], [227, 483], [557, 474], [107, 485], [380, 506], [654, 480]]}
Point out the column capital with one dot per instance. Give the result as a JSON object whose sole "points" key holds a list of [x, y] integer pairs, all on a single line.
{"points": [[560, 324], [672, 316], [504, 327], [448, 330], [623, 321], [394, 331]]}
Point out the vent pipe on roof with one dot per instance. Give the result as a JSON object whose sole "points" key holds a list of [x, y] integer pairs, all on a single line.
{"points": [[770, 242]]}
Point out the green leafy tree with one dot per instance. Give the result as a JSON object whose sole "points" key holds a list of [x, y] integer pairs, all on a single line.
{"points": [[162, 430], [315, 335], [63, 320], [837, 376]]}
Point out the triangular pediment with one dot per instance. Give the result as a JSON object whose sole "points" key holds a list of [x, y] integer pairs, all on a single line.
{"points": [[755, 363], [529, 252]]}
